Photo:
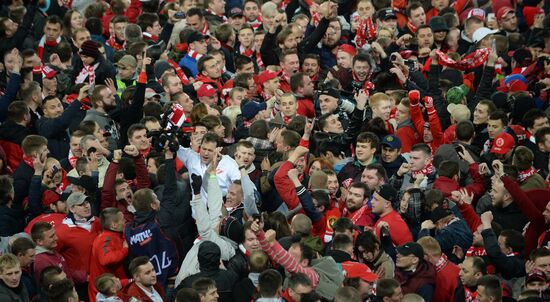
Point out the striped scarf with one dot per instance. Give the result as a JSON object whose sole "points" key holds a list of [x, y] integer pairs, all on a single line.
{"points": [[43, 42], [471, 61], [87, 72]]}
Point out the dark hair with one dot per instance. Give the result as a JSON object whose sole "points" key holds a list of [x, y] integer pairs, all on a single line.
{"points": [[107, 216], [210, 138], [362, 57], [310, 297], [413, 6], [202, 285], [22, 245], [291, 138], [448, 168], [479, 265], [287, 52], [241, 80], [322, 198], [422, 147], [224, 32], [259, 129], [241, 60], [368, 241], [202, 61], [323, 120], [54, 19], [296, 81], [499, 115], [343, 224], [363, 186], [313, 56], [152, 109], [369, 137], [146, 20], [60, 290], [465, 130], [539, 253], [195, 11], [187, 295], [492, 286], [531, 116], [269, 283], [134, 128], [514, 240], [386, 287], [540, 135], [326, 147], [48, 274], [17, 111], [523, 158], [341, 242], [133, 268], [298, 279], [380, 170], [38, 229]]}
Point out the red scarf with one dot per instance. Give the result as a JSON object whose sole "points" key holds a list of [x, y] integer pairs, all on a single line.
{"points": [[470, 295], [87, 72], [246, 52], [195, 55], [366, 31], [473, 60], [114, 44], [367, 85], [256, 23], [356, 215], [476, 251], [427, 170], [205, 30], [523, 175], [28, 160], [441, 263], [179, 72], [43, 42], [150, 36], [411, 27], [259, 61]]}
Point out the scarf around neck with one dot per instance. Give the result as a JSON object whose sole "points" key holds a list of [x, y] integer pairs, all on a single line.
{"points": [[523, 175], [43, 42], [426, 171], [87, 72]]}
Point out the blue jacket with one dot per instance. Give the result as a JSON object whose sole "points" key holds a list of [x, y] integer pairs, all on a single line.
{"points": [[455, 233], [189, 63], [11, 91]]}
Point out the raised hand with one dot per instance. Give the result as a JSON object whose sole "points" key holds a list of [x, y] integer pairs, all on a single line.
{"points": [[196, 183], [403, 169], [131, 150]]}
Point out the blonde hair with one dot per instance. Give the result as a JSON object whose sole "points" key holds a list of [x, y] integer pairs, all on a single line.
{"points": [[376, 98], [232, 112], [269, 9], [8, 261], [430, 246]]}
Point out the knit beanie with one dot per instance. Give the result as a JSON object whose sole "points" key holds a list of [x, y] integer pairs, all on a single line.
{"points": [[456, 94], [90, 49]]}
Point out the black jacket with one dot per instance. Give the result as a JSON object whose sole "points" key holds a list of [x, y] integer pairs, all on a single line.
{"points": [[18, 294], [10, 221], [21, 183], [508, 266], [55, 130], [209, 262], [104, 71], [510, 217], [239, 264], [12, 132]]}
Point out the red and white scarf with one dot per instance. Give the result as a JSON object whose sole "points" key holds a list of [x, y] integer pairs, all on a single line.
{"points": [[150, 36], [366, 31], [29, 160], [259, 61], [87, 72], [356, 215], [427, 170], [367, 85], [179, 72], [246, 52], [256, 23], [195, 55], [523, 175], [441, 263], [473, 60], [114, 44], [411, 27], [72, 159], [43, 42], [205, 30]]}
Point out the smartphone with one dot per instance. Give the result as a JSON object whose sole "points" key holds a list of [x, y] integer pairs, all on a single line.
{"points": [[494, 44], [458, 149], [55, 169]]}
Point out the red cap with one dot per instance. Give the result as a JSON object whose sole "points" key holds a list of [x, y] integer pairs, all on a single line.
{"points": [[48, 72], [265, 76], [503, 143], [206, 90], [472, 12], [49, 197], [348, 49], [359, 270], [530, 12], [503, 11]]}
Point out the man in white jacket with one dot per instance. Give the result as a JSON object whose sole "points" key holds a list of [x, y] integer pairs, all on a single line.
{"points": [[197, 163]]}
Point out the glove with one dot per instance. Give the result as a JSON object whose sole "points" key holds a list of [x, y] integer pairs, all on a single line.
{"points": [[428, 102], [196, 183], [414, 97]]}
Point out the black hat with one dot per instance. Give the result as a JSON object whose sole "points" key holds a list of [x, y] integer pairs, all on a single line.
{"points": [[232, 229], [235, 12], [411, 248], [90, 49], [438, 23], [387, 192], [386, 13], [331, 92], [194, 37], [439, 213]]}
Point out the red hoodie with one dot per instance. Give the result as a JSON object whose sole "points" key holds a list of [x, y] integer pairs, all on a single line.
{"points": [[75, 243]]}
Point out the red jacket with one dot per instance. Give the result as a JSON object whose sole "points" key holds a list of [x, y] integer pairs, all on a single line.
{"points": [[435, 125], [472, 220], [447, 185], [446, 282], [108, 194], [305, 108], [75, 243], [284, 185], [449, 135], [45, 258], [132, 290], [108, 256], [409, 137], [54, 219], [399, 231]]}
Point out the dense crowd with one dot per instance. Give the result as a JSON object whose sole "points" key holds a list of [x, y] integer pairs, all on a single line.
{"points": [[290, 150]]}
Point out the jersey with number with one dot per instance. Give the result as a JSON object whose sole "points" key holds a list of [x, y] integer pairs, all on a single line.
{"points": [[147, 239]]}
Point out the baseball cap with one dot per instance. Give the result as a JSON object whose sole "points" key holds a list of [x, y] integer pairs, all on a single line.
{"points": [[150, 92], [75, 199], [236, 12], [503, 11], [535, 275], [387, 192], [194, 37], [502, 143], [459, 112], [515, 82], [251, 108], [127, 61], [456, 94], [330, 92], [391, 141], [411, 248], [206, 90], [348, 49], [265, 76], [387, 13], [477, 13], [481, 33], [439, 213], [48, 72], [359, 270]]}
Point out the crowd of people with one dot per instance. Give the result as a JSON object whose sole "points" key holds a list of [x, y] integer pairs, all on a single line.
{"points": [[282, 150]]}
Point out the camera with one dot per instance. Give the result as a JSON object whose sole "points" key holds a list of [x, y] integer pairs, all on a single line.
{"points": [[170, 132], [155, 51]]}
